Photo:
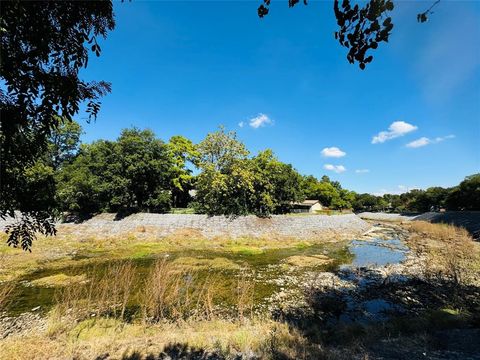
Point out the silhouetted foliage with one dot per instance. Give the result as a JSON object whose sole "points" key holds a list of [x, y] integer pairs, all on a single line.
{"points": [[423, 17], [44, 44], [361, 27]]}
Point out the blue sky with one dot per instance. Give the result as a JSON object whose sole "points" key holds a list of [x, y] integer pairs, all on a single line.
{"points": [[284, 83]]}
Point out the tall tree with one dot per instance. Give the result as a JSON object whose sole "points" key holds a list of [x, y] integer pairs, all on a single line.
{"points": [[130, 174], [220, 150], [43, 45], [185, 156], [225, 183]]}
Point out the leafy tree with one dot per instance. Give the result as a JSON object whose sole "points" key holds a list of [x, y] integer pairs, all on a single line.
{"points": [[221, 150], [133, 173], [232, 184], [63, 143], [328, 194], [145, 169], [43, 45], [309, 187], [276, 186], [225, 184], [185, 155], [365, 202], [82, 184], [465, 196]]}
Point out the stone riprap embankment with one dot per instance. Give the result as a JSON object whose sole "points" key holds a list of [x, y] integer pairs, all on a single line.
{"points": [[304, 226], [379, 216], [470, 220]]}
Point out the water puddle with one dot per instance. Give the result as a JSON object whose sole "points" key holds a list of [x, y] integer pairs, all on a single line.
{"points": [[377, 252]]}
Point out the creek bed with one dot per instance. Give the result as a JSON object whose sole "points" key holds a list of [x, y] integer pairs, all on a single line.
{"points": [[271, 271]]}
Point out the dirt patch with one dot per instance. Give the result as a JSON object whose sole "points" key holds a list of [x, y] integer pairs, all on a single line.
{"points": [[308, 261], [59, 280]]}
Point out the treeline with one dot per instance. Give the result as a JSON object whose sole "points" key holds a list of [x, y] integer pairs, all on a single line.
{"points": [[218, 176], [465, 196]]}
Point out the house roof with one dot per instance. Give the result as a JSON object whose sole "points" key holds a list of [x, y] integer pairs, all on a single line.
{"points": [[306, 203]]}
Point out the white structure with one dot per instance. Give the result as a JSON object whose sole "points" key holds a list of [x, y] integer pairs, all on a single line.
{"points": [[307, 206]]}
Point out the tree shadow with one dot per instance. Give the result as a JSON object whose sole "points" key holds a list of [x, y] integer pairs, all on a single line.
{"points": [[76, 218], [176, 351], [124, 212], [356, 304]]}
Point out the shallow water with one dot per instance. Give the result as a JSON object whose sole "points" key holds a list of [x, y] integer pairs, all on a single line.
{"points": [[265, 269], [377, 252]]}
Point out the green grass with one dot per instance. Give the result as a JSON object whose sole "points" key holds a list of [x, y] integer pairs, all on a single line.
{"points": [[182, 211], [245, 250]]}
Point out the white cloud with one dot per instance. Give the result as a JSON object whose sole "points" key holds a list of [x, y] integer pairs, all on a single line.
{"points": [[396, 129], [241, 124], [335, 168], [362, 171], [442, 138], [260, 120], [424, 141], [333, 151], [399, 190]]}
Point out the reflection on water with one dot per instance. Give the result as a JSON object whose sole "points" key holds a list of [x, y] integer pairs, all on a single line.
{"points": [[377, 252]]}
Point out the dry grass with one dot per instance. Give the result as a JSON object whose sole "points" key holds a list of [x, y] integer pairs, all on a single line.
{"points": [[450, 252], [6, 291], [175, 295], [104, 294], [245, 295], [95, 337], [59, 280], [167, 293], [308, 261]]}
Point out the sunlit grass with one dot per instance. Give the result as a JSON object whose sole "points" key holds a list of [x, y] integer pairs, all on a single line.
{"points": [[74, 247]]}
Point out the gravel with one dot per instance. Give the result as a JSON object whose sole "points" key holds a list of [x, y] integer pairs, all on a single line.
{"points": [[384, 216], [298, 226], [307, 226]]}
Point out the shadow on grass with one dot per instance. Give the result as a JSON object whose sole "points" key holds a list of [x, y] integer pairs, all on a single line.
{"points": [[367, 308], [176, 351]]}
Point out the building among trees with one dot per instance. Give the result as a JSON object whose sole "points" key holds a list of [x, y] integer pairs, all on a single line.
{"points": [[307, 206]]}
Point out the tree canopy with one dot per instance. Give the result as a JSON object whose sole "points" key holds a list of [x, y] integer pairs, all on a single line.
{"points": [[232, 183], [133, 173], [43, 46]]}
